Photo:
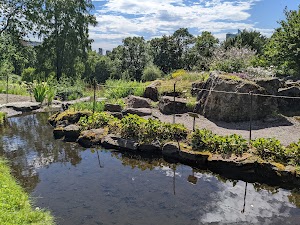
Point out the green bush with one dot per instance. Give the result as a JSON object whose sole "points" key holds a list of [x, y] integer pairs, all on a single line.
{"points": [[151, 73], [269, 148], [97, 120], [40, 91], [207, 141], [29, 75]]}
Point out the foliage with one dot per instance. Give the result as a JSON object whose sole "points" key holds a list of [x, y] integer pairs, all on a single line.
{"points": [[51, 92], [178, 73], [96, 120], [40, 90], [283, 48], [231, 60], [272, 149], [15, 205], [151, 73], [116, 89], [191, 103], [149, 130], [207, 141], [68, 88], [2, 118], [29, 75], [88, 106]]}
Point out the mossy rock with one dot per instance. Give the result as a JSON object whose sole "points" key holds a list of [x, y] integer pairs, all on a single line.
{"points": [[70, 116]]}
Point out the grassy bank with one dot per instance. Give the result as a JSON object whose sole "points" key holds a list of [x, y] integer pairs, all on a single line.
{"points": [[15, 205], [2, 118]]}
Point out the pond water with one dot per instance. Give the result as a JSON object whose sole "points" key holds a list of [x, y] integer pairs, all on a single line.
{"points": [[96, 186]]}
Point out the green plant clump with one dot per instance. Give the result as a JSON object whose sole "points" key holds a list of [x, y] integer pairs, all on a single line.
{"points": [[2, 118], [206, 140], [97, 120], [15, 205]]}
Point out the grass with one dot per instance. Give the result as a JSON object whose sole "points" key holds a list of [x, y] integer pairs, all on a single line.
{"points": [[99, 107], [13, 88], [2, 118], [15, 205]]}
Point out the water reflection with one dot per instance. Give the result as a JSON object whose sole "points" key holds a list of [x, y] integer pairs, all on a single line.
{"points": [[97, 186]]}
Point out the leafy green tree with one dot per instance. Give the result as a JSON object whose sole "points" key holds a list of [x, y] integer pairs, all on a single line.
{"points": [[283, 49], [65, 31], [248, 39]]}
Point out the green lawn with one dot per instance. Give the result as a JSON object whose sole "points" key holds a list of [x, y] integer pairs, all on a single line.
{"points": [[15, 205]]}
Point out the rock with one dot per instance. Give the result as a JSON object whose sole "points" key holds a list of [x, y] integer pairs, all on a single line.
{"points": [[150, 148], [58, 132], [112, 141], [291, 106], [71, 132], [91, 137], [166, 105], [137, 111], [271, 85], [10, 112], [196, 86], [151, 91], [23, 106], [171, 149], [233, 107], [112, 107], [194, 157], [137, 102], [69, 117], [118, 115]]}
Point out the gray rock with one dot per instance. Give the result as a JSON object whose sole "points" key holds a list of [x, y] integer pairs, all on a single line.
{"points": [[196, 86], [232, 107], [71, 132], [167, 105], [137, 111], [150, 148], [138, 102], [170, 149], [91, 137], [58, 132], [286, 105], [112, 141], [151, 91], [271, 85], [23, 106], [112, 107]]}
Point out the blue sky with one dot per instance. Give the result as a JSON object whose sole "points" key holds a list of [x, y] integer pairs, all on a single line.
{"points": [[118, 19]]}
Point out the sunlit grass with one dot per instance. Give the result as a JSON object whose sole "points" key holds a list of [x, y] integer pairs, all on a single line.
{"points": [[15, 205]]}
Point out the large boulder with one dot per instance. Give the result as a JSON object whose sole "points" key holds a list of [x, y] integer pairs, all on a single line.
{"points": [[138, 102], [167, 105], [91, 137], [196, 86], [289, 105], [151, 91], [137, 111], [154, 147], [235, 104], [115, 142], [112, 107], [72, 132], [271, 85]]}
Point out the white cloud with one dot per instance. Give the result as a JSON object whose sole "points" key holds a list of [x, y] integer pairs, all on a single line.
{"points": [[122, 18]]}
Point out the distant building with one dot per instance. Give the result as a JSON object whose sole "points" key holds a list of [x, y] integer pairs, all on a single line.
{"points": [[230, 35], [100, 51], [30, 43]]}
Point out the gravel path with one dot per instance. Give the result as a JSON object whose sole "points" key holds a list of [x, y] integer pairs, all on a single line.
{"points": [[287, 129]]}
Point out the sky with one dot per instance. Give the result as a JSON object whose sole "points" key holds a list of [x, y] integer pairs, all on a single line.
{"points": [[118, 19]]}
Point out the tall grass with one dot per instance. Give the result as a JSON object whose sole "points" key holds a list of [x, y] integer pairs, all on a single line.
{"points": [[13, 88], [2, 118], [116, 89], [15, 205]]}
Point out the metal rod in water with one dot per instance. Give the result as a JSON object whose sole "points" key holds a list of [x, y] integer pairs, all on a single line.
{"points": [[174, 105], [250, 124]]}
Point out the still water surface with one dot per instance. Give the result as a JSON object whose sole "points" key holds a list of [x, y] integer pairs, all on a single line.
{"points": [[96, 186]]}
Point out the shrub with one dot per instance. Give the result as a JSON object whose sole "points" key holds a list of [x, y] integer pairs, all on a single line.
{"points": [[96, 120], [29, 75], [206, 140], [40, 91], [178, 73], [151, 73], [269, 148]]}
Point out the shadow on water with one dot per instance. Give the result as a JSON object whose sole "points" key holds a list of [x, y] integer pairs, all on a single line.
{"points": [[96, 186]]}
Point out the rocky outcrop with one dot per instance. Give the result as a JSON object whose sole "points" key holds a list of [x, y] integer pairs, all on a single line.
{"points": [[235, 105], [151, 91], [271, 85], [113, 141], [69, 117], [171, 149], [112, 107], [137, 111], [89, 138], [167, 105], [286, 105], [138, 102], [196, 86]]}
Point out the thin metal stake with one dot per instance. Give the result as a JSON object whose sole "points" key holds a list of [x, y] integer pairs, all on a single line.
{"points": [[174, 105], [250, 124], [7, 88], [94, 103]]}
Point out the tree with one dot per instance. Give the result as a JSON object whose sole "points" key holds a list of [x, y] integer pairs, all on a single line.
{"points": [[249, 39], [283, 49], [65, 31], [19, 16], [203, 50]]}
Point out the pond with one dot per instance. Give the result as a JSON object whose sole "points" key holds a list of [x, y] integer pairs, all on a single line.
{"points": [[97, 186]]}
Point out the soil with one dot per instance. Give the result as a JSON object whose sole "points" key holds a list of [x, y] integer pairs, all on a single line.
{"points": [[285, 129]]}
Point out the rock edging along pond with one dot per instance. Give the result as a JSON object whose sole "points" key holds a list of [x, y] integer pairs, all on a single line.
{"points": [[264, 160]]}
